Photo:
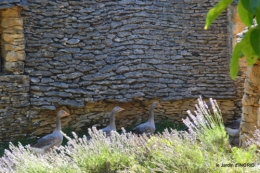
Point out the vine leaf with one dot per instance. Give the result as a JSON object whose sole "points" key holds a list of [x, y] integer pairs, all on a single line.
{"points": [[251, 5], [247, 50], [245, 16], [216, 11], [245, 46], [255, 41], [235, 60], [258, 17]]}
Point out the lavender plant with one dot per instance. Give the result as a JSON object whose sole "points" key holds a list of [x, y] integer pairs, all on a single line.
{"points": [[101, 153], [202, 149], [208, 125]]}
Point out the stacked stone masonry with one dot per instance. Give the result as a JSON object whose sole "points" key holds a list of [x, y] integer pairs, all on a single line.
{"points": [[14, 106], [88, 56], [250, 101], [80, 51], [12, 40], [7, 4]]}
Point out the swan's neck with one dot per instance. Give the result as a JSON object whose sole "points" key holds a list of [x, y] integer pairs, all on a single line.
{"points": [[112, 122], [151, 115], [58, 124]]}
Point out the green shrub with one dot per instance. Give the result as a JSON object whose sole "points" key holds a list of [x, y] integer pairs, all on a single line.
{"points": [[245, 156]]}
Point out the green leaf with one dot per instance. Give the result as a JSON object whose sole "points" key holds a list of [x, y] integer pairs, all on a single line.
{"points": [[216, 11], [244, 47], [241, 55], [247, 49], [251, 59], [255, 41], [245, 16], [258, 17], [250, 5], [235, 60]]}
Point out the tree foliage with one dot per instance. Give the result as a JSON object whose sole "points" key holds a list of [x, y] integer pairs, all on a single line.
{"points": [[249, 46]]}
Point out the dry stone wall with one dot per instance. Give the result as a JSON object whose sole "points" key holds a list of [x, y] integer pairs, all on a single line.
{"points": [[12, 41], [88, 56], [83, 51], [14, 102], [8, 4]]}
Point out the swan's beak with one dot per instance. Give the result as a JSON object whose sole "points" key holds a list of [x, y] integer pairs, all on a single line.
{"points": [[67, 114], [159, 106], [121, 109]]}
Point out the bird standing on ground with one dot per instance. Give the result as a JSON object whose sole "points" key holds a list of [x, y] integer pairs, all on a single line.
{"points": [[112, 122], [54, 139], [149, 127], [233, 130]]}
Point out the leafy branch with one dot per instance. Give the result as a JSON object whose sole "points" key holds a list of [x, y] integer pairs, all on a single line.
{"points": [[249, 46]]}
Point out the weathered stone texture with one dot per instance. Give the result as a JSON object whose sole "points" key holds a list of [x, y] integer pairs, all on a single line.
{"points": [[250, 110], [14, 101], [14, 90], [89, 56], [12, 40], [4, 4], [113, 50]]}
